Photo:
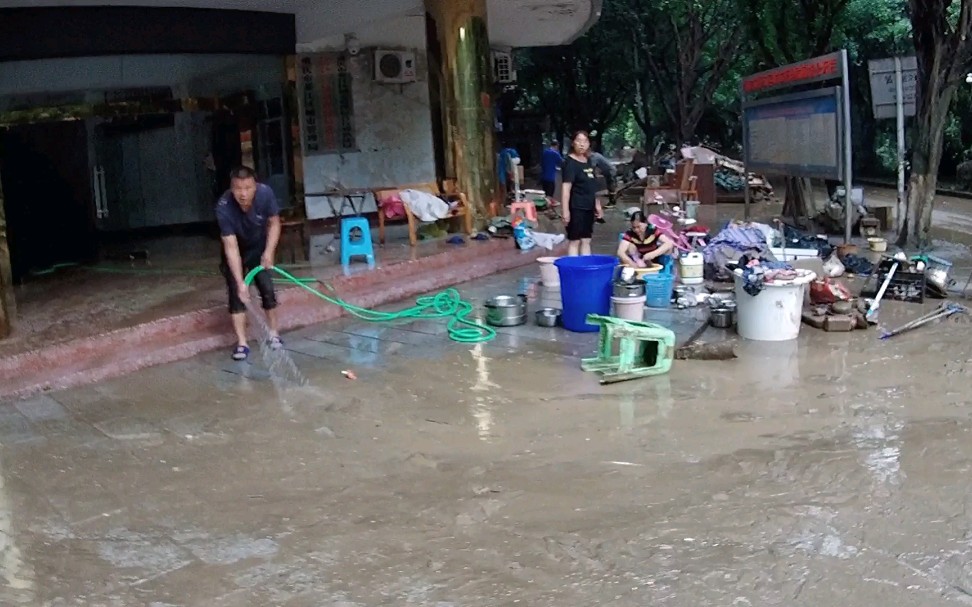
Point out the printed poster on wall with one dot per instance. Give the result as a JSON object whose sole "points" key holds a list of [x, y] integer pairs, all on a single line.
{"points": [[326, 105]]}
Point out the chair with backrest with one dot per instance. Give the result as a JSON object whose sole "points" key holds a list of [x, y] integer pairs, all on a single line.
{"points": [[459, 206], [673, 192]]}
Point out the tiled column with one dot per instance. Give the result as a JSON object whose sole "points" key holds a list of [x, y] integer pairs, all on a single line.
{"points": [[467, 76]]}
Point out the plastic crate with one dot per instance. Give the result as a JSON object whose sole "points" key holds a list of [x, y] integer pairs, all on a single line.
{"points": [[904, 286]]}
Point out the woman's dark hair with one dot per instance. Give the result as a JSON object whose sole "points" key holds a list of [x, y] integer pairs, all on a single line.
{"points": [[639, 216]]}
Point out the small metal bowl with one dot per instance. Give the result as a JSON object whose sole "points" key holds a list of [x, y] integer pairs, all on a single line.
{"points": [[548, 317]]}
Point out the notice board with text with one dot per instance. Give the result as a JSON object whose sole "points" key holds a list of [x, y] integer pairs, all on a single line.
{"points": [[798, 134]]}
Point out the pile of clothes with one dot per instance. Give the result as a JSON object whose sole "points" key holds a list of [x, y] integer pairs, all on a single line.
{"points": [[756, 272], [735, 241], [793, 238]]}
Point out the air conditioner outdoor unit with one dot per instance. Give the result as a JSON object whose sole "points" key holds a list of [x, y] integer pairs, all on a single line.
{"points": [[394, 67], [503, 72]]}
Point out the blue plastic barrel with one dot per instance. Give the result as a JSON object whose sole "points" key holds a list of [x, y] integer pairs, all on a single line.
{"points": [[585, 288]]}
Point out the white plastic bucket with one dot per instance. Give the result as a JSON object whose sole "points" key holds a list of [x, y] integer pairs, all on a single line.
{"points": [[629, 308], [549, 274], [691, 268], [775, 313]]}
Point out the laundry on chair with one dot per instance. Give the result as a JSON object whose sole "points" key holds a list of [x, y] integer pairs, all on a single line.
{"points": [[425, 206]]}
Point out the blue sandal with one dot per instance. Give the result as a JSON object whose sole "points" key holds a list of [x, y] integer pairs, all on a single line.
{"points": [[240, 352]]}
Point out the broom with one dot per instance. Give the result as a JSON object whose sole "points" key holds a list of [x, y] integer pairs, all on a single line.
{"points": [[690, 350]]}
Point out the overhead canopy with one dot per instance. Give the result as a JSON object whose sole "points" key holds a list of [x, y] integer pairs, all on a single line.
{"points": [[513, 23]]}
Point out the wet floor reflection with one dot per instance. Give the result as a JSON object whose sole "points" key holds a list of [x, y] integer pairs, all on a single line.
{"points": [[15, 573], [483, 382], [769, 364], [549, 297], [877, 436], [626, 409], [482, 410]]}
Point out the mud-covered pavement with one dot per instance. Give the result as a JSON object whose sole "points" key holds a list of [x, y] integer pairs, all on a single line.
{"points": [[827, 471]]}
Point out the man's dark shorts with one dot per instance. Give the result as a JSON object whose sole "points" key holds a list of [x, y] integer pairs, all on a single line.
{"points": [[263, 282], [549, 188]]}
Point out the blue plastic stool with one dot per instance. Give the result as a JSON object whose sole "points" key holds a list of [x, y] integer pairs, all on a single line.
{"points": [[361, 246]]}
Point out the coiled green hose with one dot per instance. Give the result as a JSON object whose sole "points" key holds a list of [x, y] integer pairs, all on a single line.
{"points": [[445, 304]]}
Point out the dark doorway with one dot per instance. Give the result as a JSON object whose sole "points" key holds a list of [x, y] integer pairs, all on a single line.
{"points": [[227, 149], [47, 196], [439, 142]]}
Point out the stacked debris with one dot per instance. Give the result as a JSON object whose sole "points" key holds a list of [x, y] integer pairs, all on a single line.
{"points": [[730, 178], [729, 174]]}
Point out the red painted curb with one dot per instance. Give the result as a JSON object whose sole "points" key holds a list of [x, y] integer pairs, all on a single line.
{"points": [[98, 357]]}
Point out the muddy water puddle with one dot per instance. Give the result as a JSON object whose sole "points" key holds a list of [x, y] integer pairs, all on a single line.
{"points": [[500, 474]]}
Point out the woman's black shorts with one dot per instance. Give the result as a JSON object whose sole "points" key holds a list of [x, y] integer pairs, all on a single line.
{"points": [[581, 224]]}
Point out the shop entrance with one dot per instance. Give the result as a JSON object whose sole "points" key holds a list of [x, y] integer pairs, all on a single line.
{"points": [[47, 196]]}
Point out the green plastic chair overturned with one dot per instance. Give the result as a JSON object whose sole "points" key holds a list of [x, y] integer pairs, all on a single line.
{"points": [[644, 349]]}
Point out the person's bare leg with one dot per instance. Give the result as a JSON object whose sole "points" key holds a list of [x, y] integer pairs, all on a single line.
{"points": [[272, 322], [585, 246], [572, 248], [239, 327]]}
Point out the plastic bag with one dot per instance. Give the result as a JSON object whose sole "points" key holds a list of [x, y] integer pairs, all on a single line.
{"points": [[833, 267], [825, 291], [524, 237]]}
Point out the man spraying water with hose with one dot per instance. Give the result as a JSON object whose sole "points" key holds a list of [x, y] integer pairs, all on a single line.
{"points": [[249, 225]]}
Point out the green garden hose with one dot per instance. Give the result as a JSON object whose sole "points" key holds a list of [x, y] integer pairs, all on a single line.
{"points": [[445, 304]]}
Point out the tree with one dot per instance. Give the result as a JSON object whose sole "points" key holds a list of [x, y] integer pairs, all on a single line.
{"points": [[584, 85], [682, 51], [788, 31], [941, 31], [872, 29]]}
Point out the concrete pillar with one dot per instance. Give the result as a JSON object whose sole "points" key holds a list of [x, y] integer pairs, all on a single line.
{"points": [[467, 78], [6, 276]]}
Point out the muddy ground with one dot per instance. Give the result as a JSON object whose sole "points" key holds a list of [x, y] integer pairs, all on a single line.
{"points": [[827, 471]]}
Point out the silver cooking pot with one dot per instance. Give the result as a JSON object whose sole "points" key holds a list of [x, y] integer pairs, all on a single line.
{"points": [[506, 311], [628, 289]]}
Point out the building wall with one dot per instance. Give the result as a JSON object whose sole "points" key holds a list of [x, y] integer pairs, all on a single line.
{"points": [[393, 124]]}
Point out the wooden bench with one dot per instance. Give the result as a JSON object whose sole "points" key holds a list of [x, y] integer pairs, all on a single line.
{"points": [[448, 192]]}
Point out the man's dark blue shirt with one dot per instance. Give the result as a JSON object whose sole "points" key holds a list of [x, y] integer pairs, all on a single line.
{"points": [[250, 228]]}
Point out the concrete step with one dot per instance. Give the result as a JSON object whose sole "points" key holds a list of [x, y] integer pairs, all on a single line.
{"points": [[98, 357]]}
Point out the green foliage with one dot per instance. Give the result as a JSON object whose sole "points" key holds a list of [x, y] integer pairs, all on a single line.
{"points": [[651, 70], [580, 86]]}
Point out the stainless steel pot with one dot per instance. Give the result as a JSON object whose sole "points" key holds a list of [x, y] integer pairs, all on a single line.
{"points": [[506, 311], [629, 289], [548, 317], [722, 314], [721, 318]]}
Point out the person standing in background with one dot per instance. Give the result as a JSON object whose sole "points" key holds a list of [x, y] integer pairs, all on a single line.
{"points": [[505, 168], [610, 172], [550, 164], [580, 204]]}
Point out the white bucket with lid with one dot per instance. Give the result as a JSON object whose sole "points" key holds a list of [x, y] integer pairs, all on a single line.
{"points": [[629, 308], [775, 313], [549, 274], [691, 268]]}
